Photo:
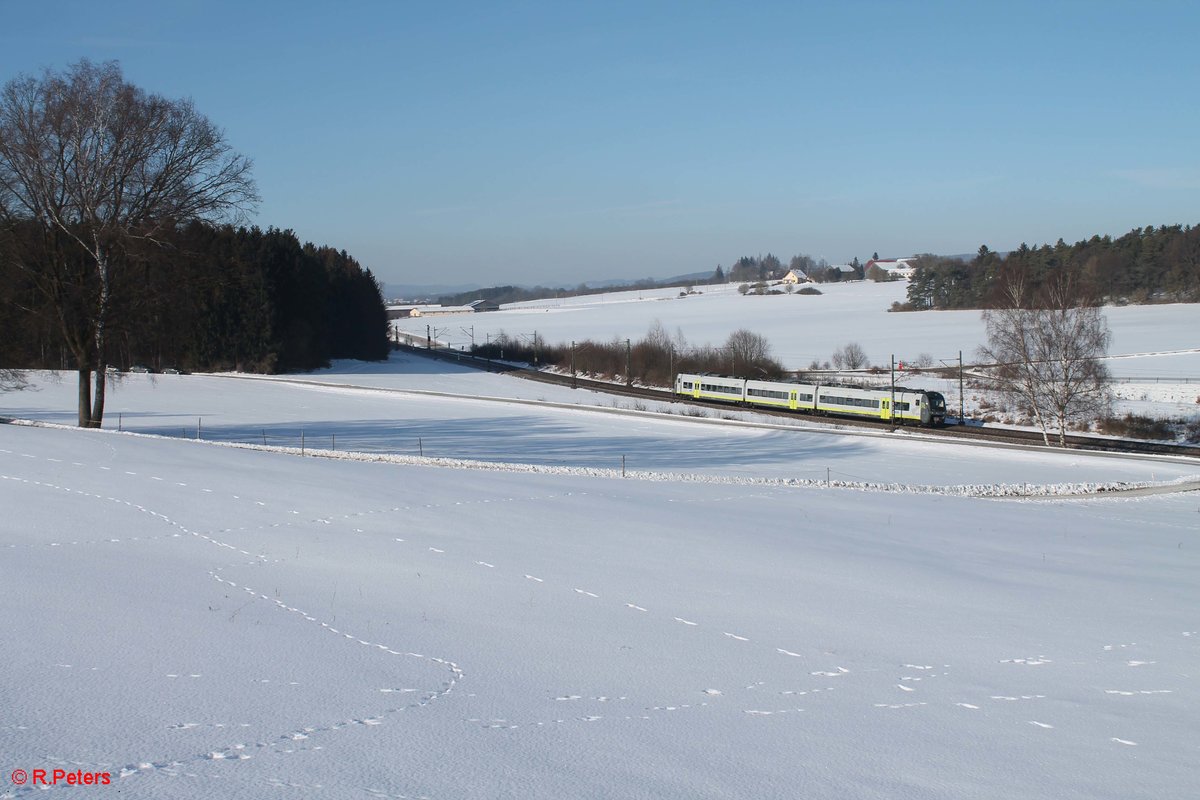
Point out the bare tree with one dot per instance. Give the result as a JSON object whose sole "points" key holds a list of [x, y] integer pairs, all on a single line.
{"points": [[750, 353], [850, 356], [12, 380], [101, 165], [1049, 357]]}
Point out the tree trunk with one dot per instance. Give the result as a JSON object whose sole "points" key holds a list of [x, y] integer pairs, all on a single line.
{"points": [[98, 401], [85, 397], [101, 337]]}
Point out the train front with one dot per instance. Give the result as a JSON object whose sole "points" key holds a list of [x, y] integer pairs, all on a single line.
{"points": [[936, 404]]}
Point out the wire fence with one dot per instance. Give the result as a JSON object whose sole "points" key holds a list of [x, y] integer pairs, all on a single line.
{"points": [[331, 442]]}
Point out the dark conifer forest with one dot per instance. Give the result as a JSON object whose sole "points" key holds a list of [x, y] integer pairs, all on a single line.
{"points": [[203, 297], [1146, 265]]}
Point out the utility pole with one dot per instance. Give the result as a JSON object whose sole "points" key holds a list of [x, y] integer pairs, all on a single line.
{"points": [[574, 379], [961, 400], [892, 405], [535, 350], [428, 338], [627, 380]]}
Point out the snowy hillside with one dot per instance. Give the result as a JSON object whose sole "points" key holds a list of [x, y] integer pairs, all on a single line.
{"points": [[1151, 341], [198, 620]]}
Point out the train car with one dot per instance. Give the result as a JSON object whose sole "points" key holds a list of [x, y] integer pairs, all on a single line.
{"points": [[776, 394], [711, 387], [902, 405]]}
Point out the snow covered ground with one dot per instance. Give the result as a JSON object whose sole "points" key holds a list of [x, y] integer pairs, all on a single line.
{"points": [[199, 620], [416, 406], [1159, 341]]}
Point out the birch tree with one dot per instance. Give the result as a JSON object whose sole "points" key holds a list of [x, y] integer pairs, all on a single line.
{"points": [[100, 165], [1049, 356]]}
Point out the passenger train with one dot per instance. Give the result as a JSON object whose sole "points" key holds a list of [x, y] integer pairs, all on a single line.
{"points": [[912, 406]]}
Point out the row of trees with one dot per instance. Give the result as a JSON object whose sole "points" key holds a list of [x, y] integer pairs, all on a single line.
{"points": [[117, 244], [1145, 265], [651, 361]]}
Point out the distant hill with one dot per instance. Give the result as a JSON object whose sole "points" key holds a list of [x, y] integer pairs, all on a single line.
{"points": [[674, 280], [428, 291]]}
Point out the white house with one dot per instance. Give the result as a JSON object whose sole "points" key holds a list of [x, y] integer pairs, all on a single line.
{"points": [[794, 276], [899, 267]]}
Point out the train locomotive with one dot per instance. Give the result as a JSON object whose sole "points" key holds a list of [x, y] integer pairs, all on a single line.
{"points": [[906, 406]]}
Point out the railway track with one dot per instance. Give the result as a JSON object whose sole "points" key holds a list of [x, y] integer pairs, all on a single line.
{"points": [[982, 433]]}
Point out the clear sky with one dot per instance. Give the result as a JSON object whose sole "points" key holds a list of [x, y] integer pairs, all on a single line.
{"points": [[555, 142]]}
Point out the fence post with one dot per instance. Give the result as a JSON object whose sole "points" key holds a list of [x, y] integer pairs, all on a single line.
{"points": [[198, 428], [420, 447], [301, 441]]}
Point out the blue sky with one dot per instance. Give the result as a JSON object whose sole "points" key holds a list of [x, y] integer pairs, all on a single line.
{"points": [[552, 143]]}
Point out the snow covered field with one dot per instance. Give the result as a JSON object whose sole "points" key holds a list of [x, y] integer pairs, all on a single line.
{"points": [[202, 621], [403, 407], [1148, 341]]}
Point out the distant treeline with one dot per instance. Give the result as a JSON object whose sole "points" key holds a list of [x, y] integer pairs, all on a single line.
{"points": [[1146, 265], [746, 268], [202, 298]]}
